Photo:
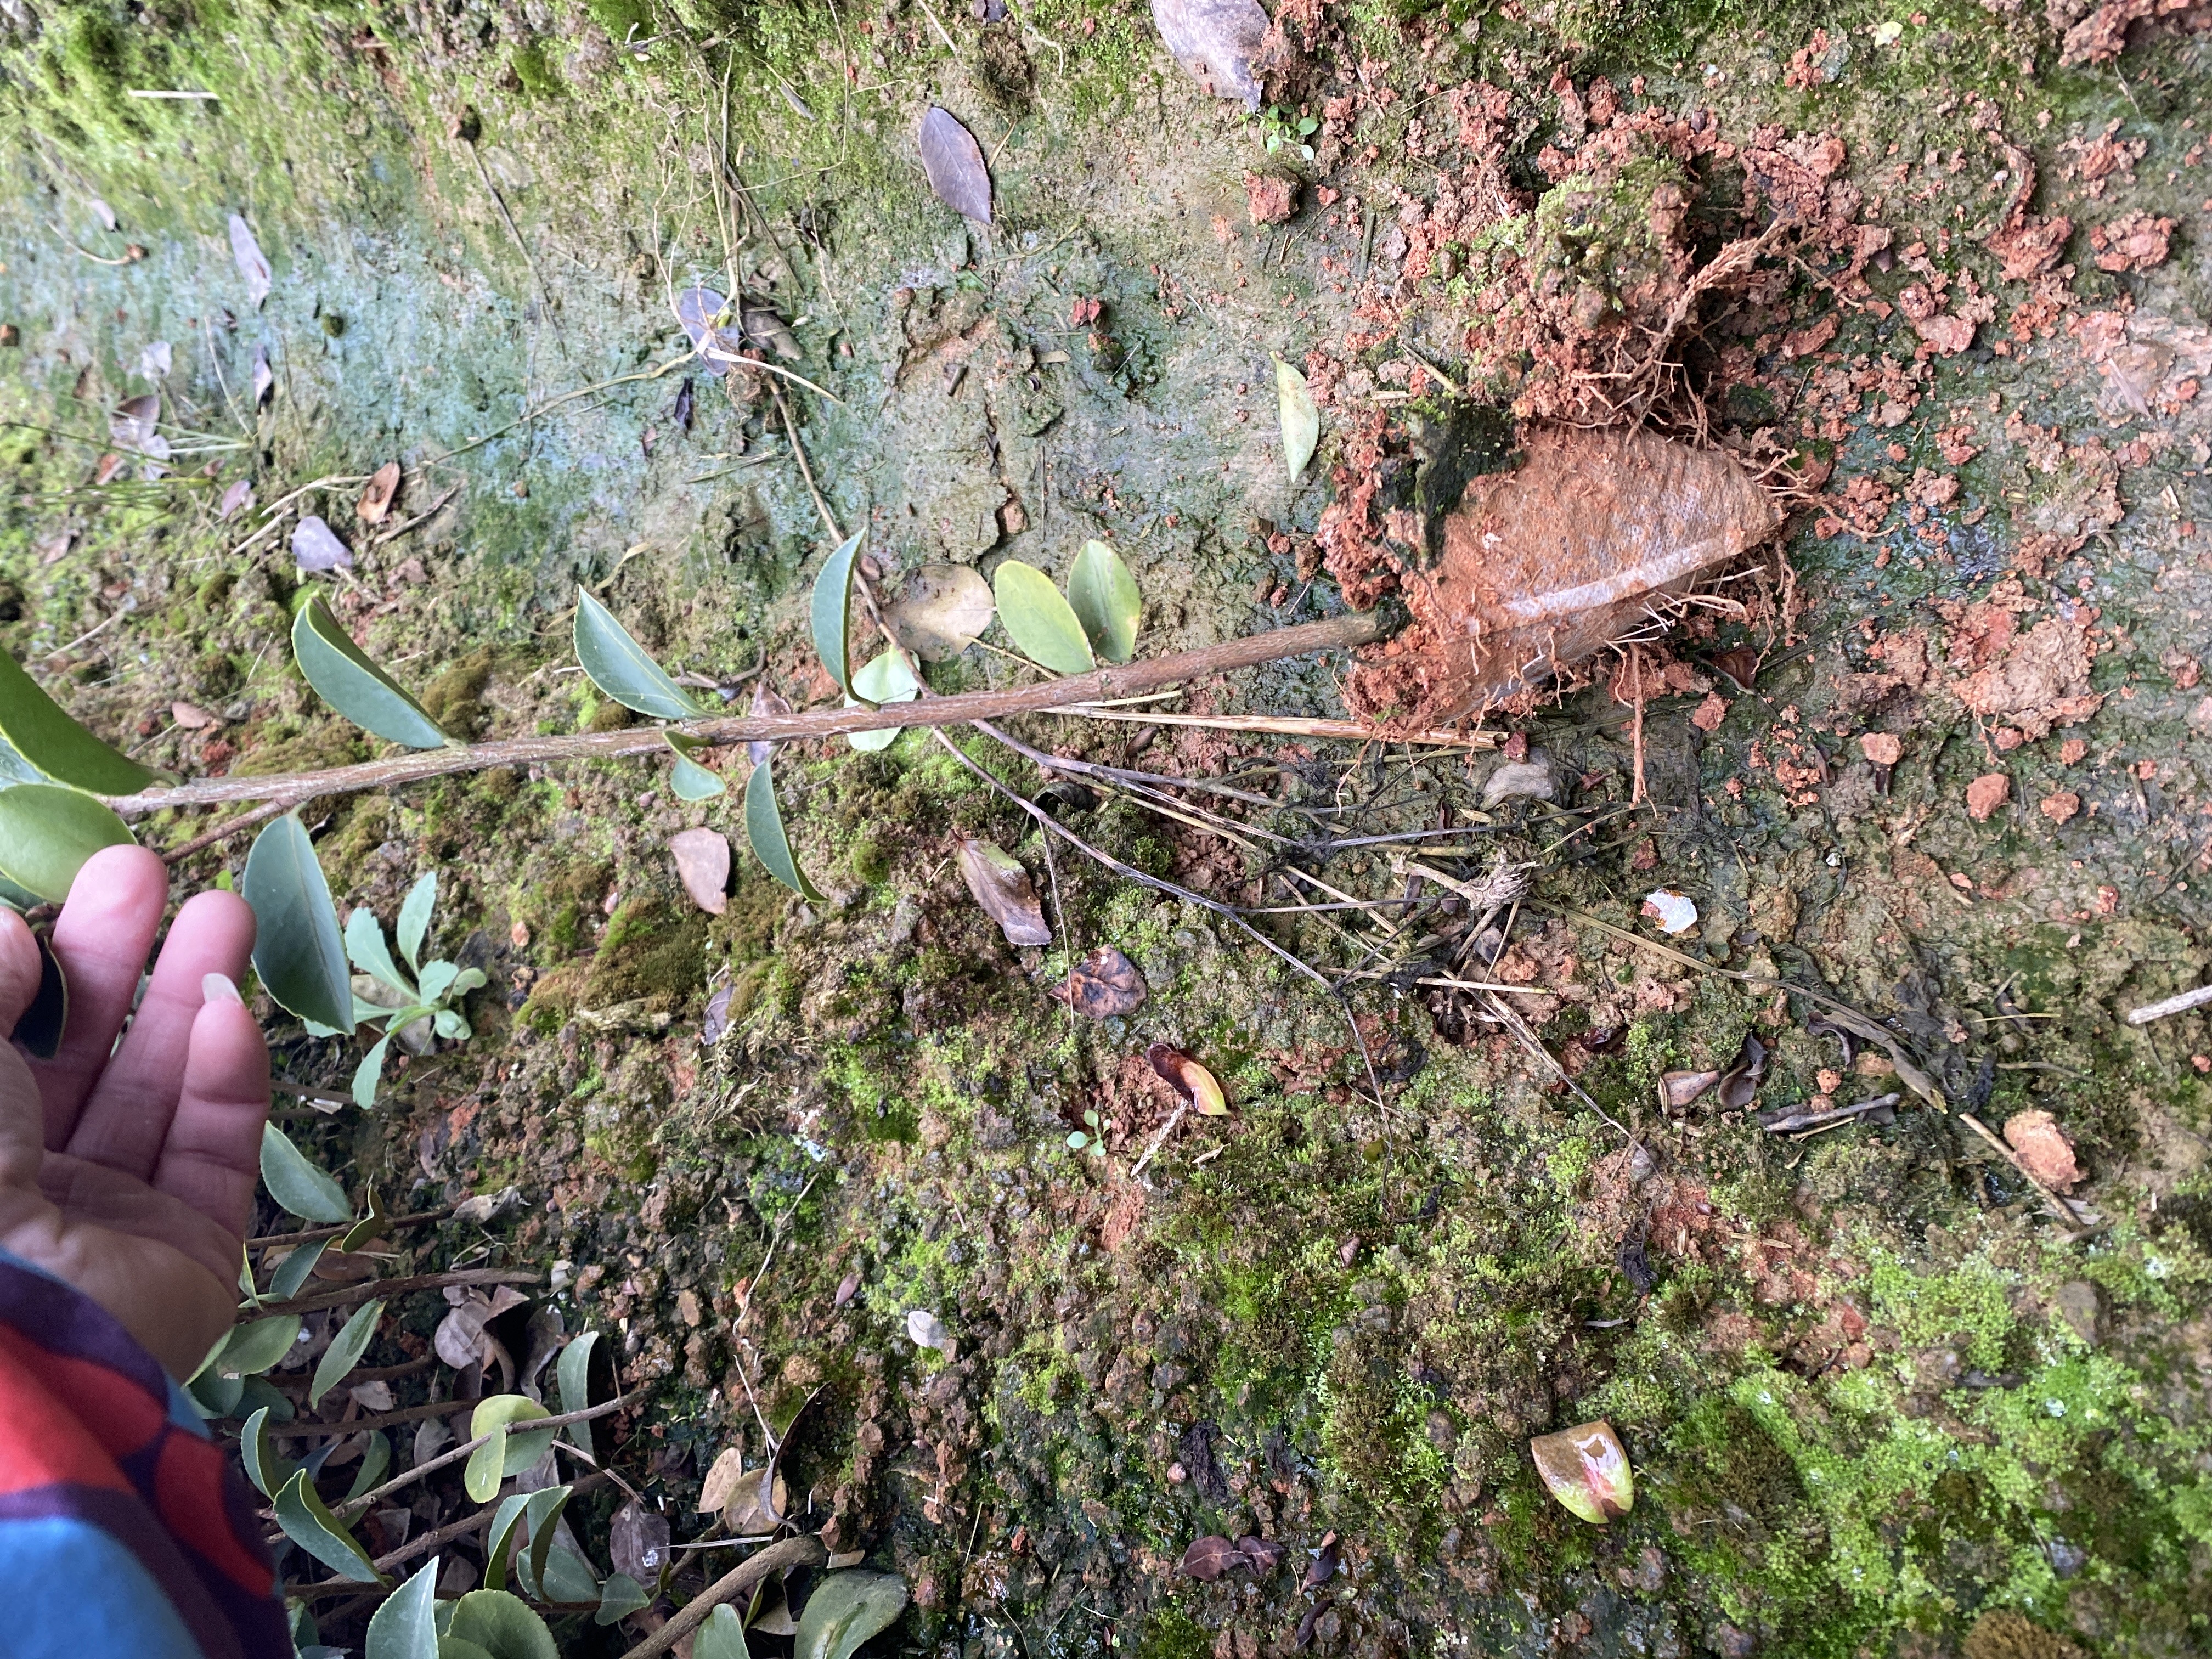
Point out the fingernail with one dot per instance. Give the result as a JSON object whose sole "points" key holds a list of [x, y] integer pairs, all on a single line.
{"points": [[217, 987]]}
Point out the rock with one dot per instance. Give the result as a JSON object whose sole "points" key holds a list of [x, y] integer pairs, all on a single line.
{"points": [[1531, 778], [2044, 1148], [1986, 793]]}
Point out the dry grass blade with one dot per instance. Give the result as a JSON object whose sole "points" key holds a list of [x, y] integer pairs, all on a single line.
{"points": [[1290, 726]]}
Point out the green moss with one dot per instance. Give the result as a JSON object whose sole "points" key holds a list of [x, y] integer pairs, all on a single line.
{"points": [[1171, 1633], [622, 19], [455, 697], [651, 954], [535, 71]]}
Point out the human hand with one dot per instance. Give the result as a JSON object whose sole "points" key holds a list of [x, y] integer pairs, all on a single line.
{"points": [[129, 1171]]}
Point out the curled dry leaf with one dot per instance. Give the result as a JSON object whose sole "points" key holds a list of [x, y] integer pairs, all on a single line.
{"points": [[702, 864], [251, 264], [133, 425], [954, 162], [1189, 1078], [316, 547], [191, 716], [2044, 1148], [1322, 1567], [374, 505], [235, 499], [1261, 1554], [1739, 1087], [1209, 1556], [264, 378], [1301, 418], [1672, 912], [1002, 887], [1104, 985], [767, 701], [719, 344], [1681, 1088], [722, 1478], [459, 1338], [927, 1330], [1216, 40], [942, 609], [847, 1288], [1531, 779], [1585, 1469], [638, 1541]]}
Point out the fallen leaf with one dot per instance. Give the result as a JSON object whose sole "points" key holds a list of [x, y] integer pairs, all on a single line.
{"points": [[1322, 1567], [133, 425], [374, 505], [702, 864], [460, 1337], [316, 547], [927, 1330], [1263, 1555], [637, 1540], [721, 1482], [1104, 985], [191, 716], [264, 378], [718, 345], [372, 1396], [2044, 1148], [763, 327], [1215, 41], [847, 1288], [251, 264], [942, 609], [1208, 1557], [1741, 1085], [684, 404], [107, 466], [55, 548], [767, 701], [235, 499], [1679, 1089], [103, 213], [954, 162], [1187, 1079], [1674, 912], [1002, 887], [714, 1024], [1586, 1469], [1301, 419], [157, 360]]}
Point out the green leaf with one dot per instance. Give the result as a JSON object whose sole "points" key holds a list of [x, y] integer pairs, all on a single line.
{"points": [[345, 1350], [345, 677], [407, 1625], [42, 735], [415, 917], [256, 1391], [1301, 419], [440, 977], [254, 1347], [498, 1541], [833, 612], [41, 1028], [1042, 625], [292, 1272], [297, 949], [450, 1025], [456, 1646], [370, 1072], [373, 1463], [567, 1579], [366, 950], [687, 779], [722, 1637], [502, 1626], [619, 1597], [845, 1610], [298, 1185], [266, 1468], [619, 666], [764, 831], [572, 1375], [308, 1522], [504, 1454], [540, 1519], [47, 832], [882, 680], [216, 1394], [1104, 596]]}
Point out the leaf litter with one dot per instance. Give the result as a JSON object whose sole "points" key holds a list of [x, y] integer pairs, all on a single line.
{"points": [[954, 163], [1003, 888]]}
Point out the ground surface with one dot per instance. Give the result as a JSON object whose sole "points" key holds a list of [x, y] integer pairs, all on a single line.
{"points": [[1878, 1399]]}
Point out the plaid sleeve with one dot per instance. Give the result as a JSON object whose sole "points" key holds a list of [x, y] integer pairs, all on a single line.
{"points": [[122, 1528]]}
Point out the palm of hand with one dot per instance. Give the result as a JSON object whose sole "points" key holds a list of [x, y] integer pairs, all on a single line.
{"points": [[129, 1171]]}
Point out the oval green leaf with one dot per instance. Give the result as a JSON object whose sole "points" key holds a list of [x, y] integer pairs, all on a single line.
{"points": [[1104, 596], [266, 1466], [365, 949], [502, 1626], [846, 1609], [292, 1272], [254, 1347], [373, 1463], [764, 832], [539, 1517], [38, 730], [345, 676], [308, 1522], [297, 949], [370, 1072], [833, 612], [298, 1185], [572, 1375], [687, 779], [1042, 625], [415, 917], [499, 1542], [722, 1637], [619, 1597], [407, 1625], [345, 1350], [882, 680], [504, 1453], [1301, 418], [620, 666], [47, 832]]}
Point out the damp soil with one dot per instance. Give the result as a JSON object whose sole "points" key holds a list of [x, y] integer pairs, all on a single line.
{"points": [[1945, 756]]}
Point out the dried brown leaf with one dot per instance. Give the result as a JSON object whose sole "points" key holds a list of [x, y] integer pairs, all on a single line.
{"points": [[954, 162], [1104, 985], [1002, 887], [1209, 1556], [1189, 1078], [191, 716], [638, 1541], [702, 864], [1679, 1089], [942, 609], [374, 505]]}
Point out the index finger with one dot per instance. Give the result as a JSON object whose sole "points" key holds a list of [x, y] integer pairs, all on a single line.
{"points": [[101, 939]]}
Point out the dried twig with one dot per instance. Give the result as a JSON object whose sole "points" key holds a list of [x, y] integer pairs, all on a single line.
{"points": [[348, 1295], [2178, 1005], [790, 1552]]}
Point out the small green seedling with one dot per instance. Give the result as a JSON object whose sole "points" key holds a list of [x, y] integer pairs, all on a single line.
{"points": [[1282, 131], [1092, 1142], [410, 1010]]}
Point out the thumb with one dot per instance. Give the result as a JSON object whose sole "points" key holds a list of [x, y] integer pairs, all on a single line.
{"points": [[20, 969]]}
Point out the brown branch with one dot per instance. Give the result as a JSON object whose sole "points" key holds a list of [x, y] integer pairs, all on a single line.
{"points": [[372, 1287], [790, 1552], [1102, 684], [301, 1429], [267, 1241]]}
